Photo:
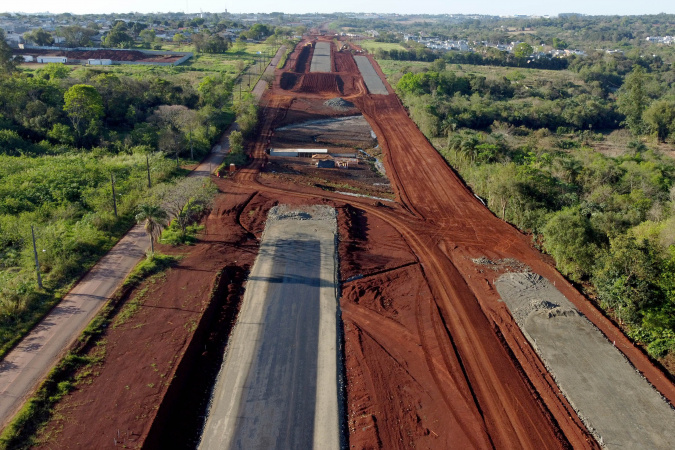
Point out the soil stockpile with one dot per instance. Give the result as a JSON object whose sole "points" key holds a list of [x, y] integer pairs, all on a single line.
{"points": [[339, 104]]}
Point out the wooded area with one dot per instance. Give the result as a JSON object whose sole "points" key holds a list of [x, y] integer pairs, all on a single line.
{"points": [[70, 137]]}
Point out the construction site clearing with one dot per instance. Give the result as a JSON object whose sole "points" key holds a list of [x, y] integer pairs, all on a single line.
{"points": [[434, 352], [100, 56]]}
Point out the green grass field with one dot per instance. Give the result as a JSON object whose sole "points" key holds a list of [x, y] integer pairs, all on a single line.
{"points": [[371, 45], [391, 67]]}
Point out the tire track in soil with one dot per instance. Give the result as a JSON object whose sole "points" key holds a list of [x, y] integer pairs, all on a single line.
{"points": [[512, 413]]}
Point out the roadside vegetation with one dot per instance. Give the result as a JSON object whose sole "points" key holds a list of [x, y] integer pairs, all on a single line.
{"points": [[67, 135], [81, 362], [582, 159]]}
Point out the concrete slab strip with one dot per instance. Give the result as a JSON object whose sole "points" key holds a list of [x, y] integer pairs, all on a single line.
{"points": [[373, 81], [321, 58], [277, 387], [615, 402]]}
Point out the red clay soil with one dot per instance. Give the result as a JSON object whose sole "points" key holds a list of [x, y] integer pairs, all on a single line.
{"points": [[301, 80], [433, 358], [115, 55], [146, 353], [454, 337]]}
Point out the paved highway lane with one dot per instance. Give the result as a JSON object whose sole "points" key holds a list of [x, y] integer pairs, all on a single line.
{"points": [[278, 385]]}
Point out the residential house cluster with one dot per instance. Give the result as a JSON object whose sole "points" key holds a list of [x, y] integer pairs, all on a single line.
{"points": [[668, 40]]}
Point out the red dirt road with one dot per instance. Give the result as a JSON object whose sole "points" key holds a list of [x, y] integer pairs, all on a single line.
{"points": [[433, 359], [452, 366], [443, 374]]}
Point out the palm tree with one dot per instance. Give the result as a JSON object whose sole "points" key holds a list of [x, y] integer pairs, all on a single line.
{"points": [[154, 218]]}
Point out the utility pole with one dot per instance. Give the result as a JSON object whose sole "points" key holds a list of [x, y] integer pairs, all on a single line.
{"points": [[147, 162], [37, 263], [112, 182], [192, 152]]}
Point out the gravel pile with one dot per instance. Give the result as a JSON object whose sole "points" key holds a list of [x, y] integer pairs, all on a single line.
{"points": [[339, 104], [313, 212], [506, 264]]}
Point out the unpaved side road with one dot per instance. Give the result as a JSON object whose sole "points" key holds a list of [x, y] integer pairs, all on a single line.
{"points": [[617, 404], [30, 361], [260, 87], [277, 388]]}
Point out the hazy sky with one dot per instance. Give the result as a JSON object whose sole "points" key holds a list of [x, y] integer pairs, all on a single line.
{"points": [[503, 7]]}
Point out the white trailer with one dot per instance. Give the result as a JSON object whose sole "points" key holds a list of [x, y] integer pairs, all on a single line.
{"points": [[52, 59], [99, 62], [28, 58]]}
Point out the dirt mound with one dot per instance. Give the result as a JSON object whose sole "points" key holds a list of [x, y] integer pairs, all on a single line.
{"points": [[344, 62], [302, 59], [319, 82], [339, 104], [311, 83], [289, 80]]}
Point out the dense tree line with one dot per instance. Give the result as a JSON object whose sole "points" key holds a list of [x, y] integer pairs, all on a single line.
{"points": [[494, 58], [65, 138], [49, 111], [442, 101], [606, 221], [525, 148]]}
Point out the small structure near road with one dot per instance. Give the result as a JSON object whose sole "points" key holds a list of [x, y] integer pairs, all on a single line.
{"points": [[346, 163], [51, 59], [297, 153], [330, 162]]}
